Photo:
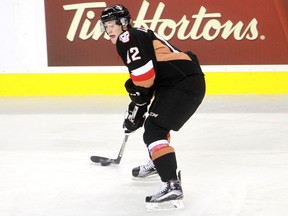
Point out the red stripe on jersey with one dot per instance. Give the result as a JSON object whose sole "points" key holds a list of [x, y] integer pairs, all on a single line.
{"points": [[143, 77]]}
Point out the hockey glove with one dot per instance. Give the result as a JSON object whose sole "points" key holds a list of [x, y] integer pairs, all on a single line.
{"points": [[140, 96], [134, 117]]}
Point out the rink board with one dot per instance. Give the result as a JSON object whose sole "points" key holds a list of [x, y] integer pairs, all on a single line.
{"points": [[71, 84]]}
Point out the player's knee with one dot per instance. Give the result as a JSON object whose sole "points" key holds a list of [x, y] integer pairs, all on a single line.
{"points": [[153, 132]]}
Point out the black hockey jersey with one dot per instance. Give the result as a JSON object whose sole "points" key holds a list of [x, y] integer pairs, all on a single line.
{"points": [[146, 54]]}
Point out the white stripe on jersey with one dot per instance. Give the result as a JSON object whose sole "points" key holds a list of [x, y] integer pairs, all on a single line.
{"points": [[142, 70], [167, 44]]}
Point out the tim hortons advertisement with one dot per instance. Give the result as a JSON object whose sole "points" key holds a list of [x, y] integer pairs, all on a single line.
{"points": [[220, 32]]}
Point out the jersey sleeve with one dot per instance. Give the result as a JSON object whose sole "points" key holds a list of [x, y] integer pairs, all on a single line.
{"points": [[136, 50]]}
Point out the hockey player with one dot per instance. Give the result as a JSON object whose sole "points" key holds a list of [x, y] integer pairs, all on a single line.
{"points": [[167, 79]]}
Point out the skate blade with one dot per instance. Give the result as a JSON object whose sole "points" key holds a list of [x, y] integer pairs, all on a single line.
{"points": [[168, 205], [153, 177]]}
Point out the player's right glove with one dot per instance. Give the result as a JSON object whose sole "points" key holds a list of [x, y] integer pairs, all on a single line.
{"points": [[134, 117]]}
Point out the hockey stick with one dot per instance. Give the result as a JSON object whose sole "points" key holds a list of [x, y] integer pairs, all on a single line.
{"points": [[107, 161], [104, 161]]}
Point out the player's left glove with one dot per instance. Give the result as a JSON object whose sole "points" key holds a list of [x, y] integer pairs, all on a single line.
{"points": [[140, 96], [134, 117]]}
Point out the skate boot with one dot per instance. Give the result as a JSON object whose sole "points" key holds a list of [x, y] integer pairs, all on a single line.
{"points": [[169, 197], [145, 172]]}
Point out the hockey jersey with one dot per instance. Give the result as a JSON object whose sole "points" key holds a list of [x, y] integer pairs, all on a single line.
{"points": [[146, 54]]}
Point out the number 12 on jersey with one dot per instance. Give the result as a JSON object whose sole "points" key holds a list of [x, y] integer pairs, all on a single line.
{"points": [[133, 55]]}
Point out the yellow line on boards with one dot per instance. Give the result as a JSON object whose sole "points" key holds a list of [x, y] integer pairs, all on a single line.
{"points": [[69, 84]]}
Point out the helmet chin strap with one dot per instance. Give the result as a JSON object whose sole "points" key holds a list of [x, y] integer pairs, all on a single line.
{"points": [[124, 28]]}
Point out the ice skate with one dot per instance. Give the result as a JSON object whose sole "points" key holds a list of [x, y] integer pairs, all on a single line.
{"points": [[145, 172], [169, 197]]}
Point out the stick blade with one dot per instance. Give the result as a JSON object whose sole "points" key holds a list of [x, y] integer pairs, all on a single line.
{"points": [[98, 159]]}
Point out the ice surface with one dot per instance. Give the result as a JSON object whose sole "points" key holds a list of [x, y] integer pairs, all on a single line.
{"points": [[233, 154]]}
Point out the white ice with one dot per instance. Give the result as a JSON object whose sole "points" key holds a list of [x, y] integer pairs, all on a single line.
{"points": [[233, 154]]}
